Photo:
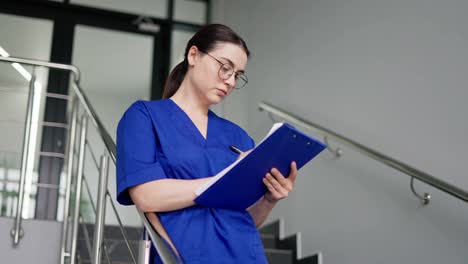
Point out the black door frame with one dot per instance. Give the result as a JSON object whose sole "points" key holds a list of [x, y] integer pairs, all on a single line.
{"points": [[65, 17]]}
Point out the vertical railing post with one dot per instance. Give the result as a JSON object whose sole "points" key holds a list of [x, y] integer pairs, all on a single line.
{"points": [[17, 231], [144, 249], [79, 182], [101, 208], [65, 247]]}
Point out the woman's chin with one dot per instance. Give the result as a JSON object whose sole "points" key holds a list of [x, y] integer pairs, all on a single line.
{"points": [[216, 99]]}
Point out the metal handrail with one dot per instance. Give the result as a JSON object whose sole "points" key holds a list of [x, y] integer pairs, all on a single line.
{"points": [[68, 179], [17, 231], [66, 67], [101, 208], [166, 253], [79, 182], [398, 165]]}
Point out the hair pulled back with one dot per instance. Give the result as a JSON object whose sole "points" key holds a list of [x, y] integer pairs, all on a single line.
{"points": [[205, 40]]}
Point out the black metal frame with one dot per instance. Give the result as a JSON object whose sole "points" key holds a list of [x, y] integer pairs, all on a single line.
{"points": [[121, 21], [65, 17]]}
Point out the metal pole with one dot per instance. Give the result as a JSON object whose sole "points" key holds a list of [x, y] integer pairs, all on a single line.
{"points": [[17, 231], [101, 208], [79, 182], [144, 250], [47, 64], [64, 251]]}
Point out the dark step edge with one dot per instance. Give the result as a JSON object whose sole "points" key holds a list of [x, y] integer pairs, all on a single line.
{"points": [[112, 231], [294, 243], [283, 256], [112, 240], [277, 251], [269, 240], [275, 227], [88, 261], [118, 250], [267, 235], [314, 259]]}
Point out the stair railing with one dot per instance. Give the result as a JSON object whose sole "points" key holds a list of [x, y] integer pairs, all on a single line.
{"points": [[393, 163], [68, 243], [26, 160]]}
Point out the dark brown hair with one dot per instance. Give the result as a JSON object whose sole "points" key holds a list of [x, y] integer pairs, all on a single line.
{"points": [[205, 40]]}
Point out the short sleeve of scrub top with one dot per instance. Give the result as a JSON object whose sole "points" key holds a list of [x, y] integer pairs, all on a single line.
{"points": [[137, 152]]}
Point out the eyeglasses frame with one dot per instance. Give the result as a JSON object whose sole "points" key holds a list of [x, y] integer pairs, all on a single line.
{"points": [[230, 75]]}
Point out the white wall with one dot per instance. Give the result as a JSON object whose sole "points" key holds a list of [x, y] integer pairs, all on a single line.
{"points": [[388, 74]]}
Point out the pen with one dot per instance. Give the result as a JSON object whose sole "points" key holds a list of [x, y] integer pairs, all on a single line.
{"points": [[236, 150]]}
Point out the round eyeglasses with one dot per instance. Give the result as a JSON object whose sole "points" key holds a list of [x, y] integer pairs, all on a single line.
{"points": [[226, 70]]}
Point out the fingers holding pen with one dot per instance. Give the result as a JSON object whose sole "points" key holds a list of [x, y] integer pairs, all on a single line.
{"points": [[241, 153]]}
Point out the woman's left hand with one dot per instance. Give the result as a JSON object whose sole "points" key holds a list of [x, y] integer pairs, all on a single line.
{"points": [[278, 186]]}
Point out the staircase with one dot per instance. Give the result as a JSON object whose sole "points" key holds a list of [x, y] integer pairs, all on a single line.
{"points": [[278, 251], [284, 250], [115, 249]]}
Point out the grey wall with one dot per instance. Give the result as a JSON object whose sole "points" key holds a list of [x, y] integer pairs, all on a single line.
{"points": [[388, 74], [40, 244]]}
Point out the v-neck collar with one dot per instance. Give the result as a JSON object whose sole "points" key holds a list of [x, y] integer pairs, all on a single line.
{"points": [[190, 125]]}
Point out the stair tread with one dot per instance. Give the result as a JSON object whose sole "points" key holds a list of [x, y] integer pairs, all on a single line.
{"points": [[278, 251]]}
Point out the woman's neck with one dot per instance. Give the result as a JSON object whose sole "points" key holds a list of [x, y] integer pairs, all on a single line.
{"points": [[189, 101]]}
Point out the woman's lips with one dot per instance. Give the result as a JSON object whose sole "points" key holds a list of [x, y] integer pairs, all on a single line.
{"points": [[224, 93]]}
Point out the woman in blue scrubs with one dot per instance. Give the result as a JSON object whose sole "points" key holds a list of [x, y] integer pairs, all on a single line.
{"points": [[167, 148]]}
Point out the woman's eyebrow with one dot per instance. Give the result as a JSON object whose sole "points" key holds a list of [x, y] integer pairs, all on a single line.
{"points": [[232, 64]]}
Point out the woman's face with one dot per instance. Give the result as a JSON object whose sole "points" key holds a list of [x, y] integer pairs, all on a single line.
{"points": [[205, 73]]}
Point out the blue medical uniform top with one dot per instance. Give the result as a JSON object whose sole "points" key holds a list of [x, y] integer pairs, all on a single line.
{"points": [[157, 140]]}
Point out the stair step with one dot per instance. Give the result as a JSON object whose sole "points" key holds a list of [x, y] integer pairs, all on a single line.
{"points": [[279, 256], [117, 250], [269, 240], [315, 259], [112, 232], [292, 243], [275, 228], [105, 261]]}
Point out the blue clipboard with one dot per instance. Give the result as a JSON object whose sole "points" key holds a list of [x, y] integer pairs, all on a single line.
{"points": [[242, 185]]}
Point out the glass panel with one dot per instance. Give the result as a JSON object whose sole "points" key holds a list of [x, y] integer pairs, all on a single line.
{"points": [[155, 8], [190, 11], [116, 70], [8, 186], [179, 41], [27, 38]]}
